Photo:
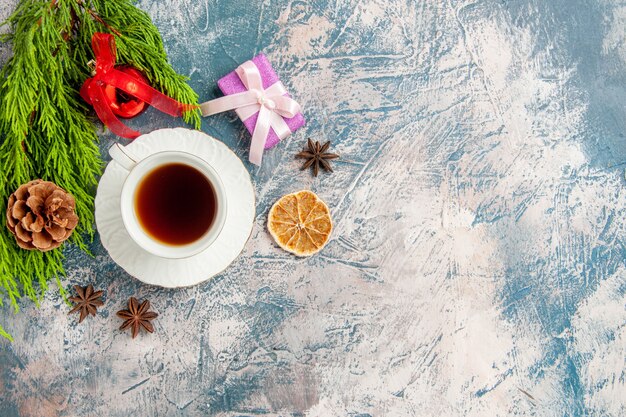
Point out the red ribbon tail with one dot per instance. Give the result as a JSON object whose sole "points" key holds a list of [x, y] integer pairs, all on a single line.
{"points": [[144, 92], [103, 45], [105, 114]]}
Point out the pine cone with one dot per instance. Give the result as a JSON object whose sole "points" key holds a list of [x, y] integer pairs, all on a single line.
{"points": [[41, 215]]}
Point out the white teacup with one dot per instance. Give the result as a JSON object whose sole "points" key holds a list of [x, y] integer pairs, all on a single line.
{"points": [[137, 169]]}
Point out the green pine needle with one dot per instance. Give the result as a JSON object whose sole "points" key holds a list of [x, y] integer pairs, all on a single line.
{"points": [[44, 125]]}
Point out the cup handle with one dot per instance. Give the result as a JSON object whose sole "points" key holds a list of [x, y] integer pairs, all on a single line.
{"points": [[123, 156]]}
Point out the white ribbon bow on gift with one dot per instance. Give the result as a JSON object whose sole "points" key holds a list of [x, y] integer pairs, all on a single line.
{"points": [[271, 104]]}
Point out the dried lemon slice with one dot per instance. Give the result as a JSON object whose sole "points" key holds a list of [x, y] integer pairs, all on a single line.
{"points": [[300, 223]]}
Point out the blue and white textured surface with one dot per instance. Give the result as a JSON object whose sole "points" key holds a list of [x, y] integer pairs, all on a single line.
{"points": [[478, 262]]}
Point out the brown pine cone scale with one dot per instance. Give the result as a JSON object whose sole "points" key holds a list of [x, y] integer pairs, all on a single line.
{"points": [[41, 215]]}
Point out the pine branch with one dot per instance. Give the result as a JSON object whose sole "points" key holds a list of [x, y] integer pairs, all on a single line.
{"points": [[44, 127]]}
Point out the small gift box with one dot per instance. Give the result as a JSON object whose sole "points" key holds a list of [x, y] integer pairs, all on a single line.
{"points": [[261, 101]]}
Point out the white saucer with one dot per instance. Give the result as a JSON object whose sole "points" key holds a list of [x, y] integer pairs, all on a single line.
{"points": [[198, 268]]}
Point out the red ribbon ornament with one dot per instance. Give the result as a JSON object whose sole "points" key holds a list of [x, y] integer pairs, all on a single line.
{"points": [[123, 105], [94, 90]]}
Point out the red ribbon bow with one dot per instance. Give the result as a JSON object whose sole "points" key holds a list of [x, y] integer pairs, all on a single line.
{"points": [[93, 90]]}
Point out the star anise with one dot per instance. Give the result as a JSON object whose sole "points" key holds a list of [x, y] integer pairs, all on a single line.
{"points": [[137, 316], [316, 156], [87, 301]]}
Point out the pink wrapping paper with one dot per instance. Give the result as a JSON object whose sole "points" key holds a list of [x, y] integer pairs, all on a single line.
{"points": [[231, 84]]}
